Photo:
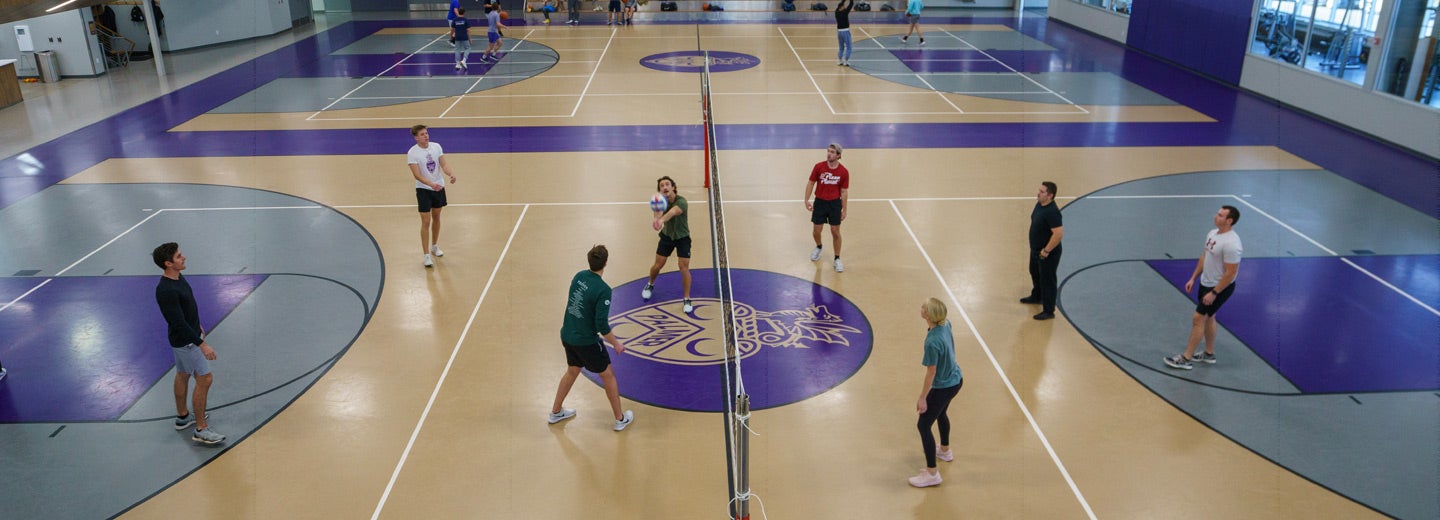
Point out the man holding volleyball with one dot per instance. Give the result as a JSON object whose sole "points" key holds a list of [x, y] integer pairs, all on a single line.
{"points": [[672, 220]]}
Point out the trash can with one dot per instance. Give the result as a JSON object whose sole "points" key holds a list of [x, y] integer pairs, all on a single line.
{"points": [[49, 64]]}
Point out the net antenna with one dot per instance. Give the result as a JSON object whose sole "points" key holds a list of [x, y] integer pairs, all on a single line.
{"points": [[737, 402]]}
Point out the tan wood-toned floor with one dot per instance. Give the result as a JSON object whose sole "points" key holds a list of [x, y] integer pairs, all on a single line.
{"points": [[355, 445]]}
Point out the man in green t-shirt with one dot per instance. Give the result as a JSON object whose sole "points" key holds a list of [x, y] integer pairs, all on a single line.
{"points": [[674, 227], [587, 320]]}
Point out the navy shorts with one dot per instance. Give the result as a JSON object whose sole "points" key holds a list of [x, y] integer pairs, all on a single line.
{"points": [[667, 246], [826, 212], [1209, 310], [429, 199], [614, 6], [592, 357]]}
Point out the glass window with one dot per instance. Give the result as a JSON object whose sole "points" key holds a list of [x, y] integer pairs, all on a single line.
{"points": [[1412, 67], [1331, 37], [1119, 6]]}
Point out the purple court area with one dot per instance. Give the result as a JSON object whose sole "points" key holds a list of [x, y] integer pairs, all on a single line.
{"points": [[949, 61], [798, 339], [391, 65], [1329, 328], [86, 348]]}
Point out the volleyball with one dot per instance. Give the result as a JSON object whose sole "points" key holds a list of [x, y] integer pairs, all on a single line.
{"points": [[658, 203]]}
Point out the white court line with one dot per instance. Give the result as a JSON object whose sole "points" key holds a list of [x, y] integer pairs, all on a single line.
{"points": [[27, 293], [1342, 259], [872, 38], [462, 96], [594, 70], [112, 241], [372, 78], [446, 373], [937, 92], [1012, 69], [807, 70], [996, 364], [394, 97]]}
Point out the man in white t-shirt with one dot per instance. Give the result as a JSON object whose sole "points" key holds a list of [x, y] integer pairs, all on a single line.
{"points": [[1217, 268], [427, 161]]}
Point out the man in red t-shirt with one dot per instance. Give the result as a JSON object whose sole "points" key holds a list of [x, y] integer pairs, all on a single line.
{"points": [[830, 184]]}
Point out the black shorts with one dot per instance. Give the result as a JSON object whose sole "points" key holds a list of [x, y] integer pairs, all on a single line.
{"points": [[592, 357], [614, 6], [429, 199], [1209, 310], [826, 212], [667, 245]]}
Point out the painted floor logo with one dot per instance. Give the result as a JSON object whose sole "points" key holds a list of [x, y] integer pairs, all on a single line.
{"points": [[796, 340], [694, 61]]}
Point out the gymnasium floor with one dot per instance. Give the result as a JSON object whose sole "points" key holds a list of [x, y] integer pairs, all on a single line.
{"points": [[355, 382]]}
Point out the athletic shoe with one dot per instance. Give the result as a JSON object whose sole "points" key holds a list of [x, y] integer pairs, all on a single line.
{"points": [[429, 262], [621, 424], [1179, 361], [1204, 358], [689, 307], [564, 413], [925, 479], [840, 63], [2, 373], [207, 437], [946, 456], [922, 41], [839, 266], [905, 39], [648, 291], [457, 66], [435, 250], [187, 421], [815, 255], [464, 65], [547, 20], [1030, 299], [1044, 316]]}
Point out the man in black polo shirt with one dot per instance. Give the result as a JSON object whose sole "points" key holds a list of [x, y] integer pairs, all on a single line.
{"points": [[187, 343], [1046, 230]]}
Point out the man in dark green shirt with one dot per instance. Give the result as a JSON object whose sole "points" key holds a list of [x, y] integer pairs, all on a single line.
{"points": [[587, 320], [674, 227]]}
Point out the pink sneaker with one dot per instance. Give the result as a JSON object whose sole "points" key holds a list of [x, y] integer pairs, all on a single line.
{"points": [[946, 456], [926, 479]]}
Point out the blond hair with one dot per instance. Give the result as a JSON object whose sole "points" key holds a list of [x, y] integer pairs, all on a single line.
{"points": [[935, 311]]}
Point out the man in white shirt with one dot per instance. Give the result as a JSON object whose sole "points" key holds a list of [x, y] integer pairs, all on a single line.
{"points": [[427, 160], [1217, 268]]}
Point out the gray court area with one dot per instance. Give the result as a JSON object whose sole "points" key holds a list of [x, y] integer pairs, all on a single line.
{"points": [[325, 274], [873, 56], [1381, 453], [425, 76]]}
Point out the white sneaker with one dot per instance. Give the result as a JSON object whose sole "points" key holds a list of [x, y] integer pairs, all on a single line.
{"points": [[648, 291], [564, 413], [429, 262], [926, 479], [839, 266], [207, 437], [815, 255], [2, 373], [457, 66], [435, 250], [620, 425], [689, 307], [946, 456]]}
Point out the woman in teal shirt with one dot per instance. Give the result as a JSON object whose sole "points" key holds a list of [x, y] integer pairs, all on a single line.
{"points": [[942, 383]]}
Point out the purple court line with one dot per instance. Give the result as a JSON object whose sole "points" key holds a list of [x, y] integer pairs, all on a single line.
{"points": [[1242, 120]]}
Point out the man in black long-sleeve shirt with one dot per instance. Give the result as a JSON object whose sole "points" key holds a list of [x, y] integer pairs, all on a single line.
{"points": [[187, 342]]}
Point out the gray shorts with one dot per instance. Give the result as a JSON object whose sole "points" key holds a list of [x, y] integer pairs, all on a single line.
{"points": [[189, 360]]}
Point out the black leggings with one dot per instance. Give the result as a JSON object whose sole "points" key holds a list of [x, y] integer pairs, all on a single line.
{"points": [[936, 404]]}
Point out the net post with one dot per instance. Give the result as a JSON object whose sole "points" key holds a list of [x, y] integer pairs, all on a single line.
{"points": [[741, 508]]}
